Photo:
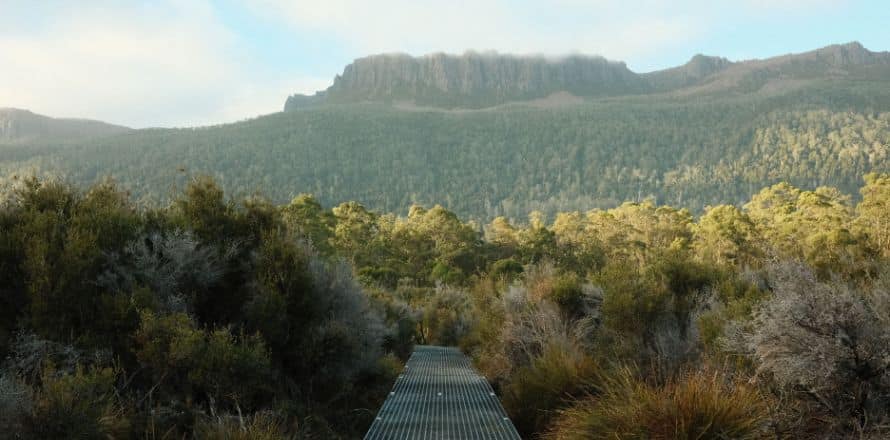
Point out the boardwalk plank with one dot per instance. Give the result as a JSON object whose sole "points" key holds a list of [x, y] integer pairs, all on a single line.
{"points": [[439, 396]]}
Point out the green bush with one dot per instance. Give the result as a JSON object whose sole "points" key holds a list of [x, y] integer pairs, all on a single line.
{"points": [[82, 405], [507, 268], [444, 320], [568, 293], [205, 363]]}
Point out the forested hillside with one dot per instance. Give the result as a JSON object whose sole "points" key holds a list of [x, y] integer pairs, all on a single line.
{"points": [[22, 126], [705, 133], [508, 162], [216, 317]]}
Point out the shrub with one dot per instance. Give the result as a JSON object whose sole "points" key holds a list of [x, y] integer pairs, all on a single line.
{"points": [[575, 299], [318, 321], [696, 406], [182, 357], [527, 321], [382, 276], [30, 355], [258, 426], [444, 316], [446, 273], [507, 268], [827, 342], [80, 405], [402, 321], [172, 265], [548, 384], [635, 307], [15, 403]]}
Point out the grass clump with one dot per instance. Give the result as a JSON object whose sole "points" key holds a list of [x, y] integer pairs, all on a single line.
{"points": [[698, 405]]}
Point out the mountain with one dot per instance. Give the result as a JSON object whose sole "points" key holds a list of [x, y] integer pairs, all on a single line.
{"points": [[689, 74], [501, 135], [19, 126], [850, 62], [475, 80]]}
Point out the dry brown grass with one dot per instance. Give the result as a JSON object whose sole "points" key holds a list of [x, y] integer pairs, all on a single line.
{"points": [[699, 405]]}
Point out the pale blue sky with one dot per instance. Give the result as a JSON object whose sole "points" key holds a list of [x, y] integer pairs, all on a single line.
{"points": [[196, 62]]}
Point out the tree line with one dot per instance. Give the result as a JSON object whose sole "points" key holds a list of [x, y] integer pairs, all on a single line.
{"points": [[686, 152], [233, 317]]}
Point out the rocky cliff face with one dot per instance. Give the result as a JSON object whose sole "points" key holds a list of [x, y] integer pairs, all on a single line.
{"points": [[484, 79], [475, 80], [839, 55]]}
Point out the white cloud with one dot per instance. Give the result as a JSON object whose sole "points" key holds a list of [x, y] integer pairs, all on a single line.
{"points": [[169, 63], [174, 62], [609, 28]]}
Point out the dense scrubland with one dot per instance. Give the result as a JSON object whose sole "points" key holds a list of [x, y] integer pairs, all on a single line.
{"points": [[222, 317]]}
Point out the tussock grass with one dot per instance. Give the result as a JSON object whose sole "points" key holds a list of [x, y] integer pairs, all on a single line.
{"points": [[698, 405]]}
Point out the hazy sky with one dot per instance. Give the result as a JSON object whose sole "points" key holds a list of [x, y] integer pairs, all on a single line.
{"points": [[196, 62]]}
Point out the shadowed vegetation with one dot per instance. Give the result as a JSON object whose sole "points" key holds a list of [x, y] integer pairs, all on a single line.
{"points": [[220, 317]]}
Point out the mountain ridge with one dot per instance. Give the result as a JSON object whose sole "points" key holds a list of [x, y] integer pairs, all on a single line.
{"points": [[723, 131], [479, 80], [20, 125]]}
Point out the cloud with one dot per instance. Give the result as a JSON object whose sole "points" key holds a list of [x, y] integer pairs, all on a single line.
{"points": [[159, 64], [187, 62], [614, 29]]}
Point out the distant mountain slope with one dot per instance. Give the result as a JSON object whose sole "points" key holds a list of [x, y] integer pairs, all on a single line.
{"points": [[689, 74], [708, 132], [17, 126], [476, 80], [837, 62]]}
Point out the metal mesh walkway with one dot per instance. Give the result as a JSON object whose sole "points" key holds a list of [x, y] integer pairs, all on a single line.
{"points": [[440, 396]]}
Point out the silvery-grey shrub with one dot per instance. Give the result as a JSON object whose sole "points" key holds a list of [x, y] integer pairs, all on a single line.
{"points": [[167, 264], [827, 340], [347, 306]]}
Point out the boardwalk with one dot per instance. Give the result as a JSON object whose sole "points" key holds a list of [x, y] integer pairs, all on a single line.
{"points": [[440, 396]]}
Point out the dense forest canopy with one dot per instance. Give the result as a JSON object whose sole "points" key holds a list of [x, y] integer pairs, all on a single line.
{"points": [[491, 163], [221, 317]]}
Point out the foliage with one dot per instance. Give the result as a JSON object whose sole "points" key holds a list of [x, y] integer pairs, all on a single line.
{"points": [[873, 211], [203, 363], [222, 317], [258, 426], [698, 405], [79, 405], [15, 404], [688, 151], [551, 382], [828, 342]]}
